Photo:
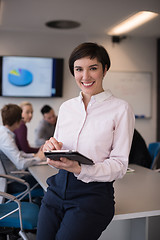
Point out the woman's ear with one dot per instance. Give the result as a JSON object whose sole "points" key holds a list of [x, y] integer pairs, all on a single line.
{"points": [[105, 71]]}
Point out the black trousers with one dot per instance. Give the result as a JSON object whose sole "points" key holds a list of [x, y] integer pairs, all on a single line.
{"points": [[74, 210]]}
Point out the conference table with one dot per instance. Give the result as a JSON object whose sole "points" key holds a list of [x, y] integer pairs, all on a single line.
{"points": [[137, 202]]}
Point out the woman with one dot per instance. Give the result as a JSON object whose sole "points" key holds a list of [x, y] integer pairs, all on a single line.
{"points": [[21, 132], [79, 203]]}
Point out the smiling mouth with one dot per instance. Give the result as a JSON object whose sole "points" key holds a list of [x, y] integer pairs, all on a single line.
{"points": [[87, 84]]}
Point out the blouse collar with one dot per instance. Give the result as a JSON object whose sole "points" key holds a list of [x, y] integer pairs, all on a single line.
{"points": [[100, 97]]}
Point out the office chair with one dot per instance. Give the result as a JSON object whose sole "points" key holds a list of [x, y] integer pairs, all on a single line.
{"points": [[153, 149], [139, 153], [26, 191], [36, 191], [15, 214], [156, 162]]}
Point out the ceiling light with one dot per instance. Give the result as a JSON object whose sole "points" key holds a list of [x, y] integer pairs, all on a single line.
{"points": [[62, 24], [132, 22]]}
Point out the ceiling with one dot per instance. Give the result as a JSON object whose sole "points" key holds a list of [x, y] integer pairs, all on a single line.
{"points": [[95, 16]]}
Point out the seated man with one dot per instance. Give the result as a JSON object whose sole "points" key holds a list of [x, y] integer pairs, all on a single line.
{"points": [[139, 153], [11, 157], [46, 127]]}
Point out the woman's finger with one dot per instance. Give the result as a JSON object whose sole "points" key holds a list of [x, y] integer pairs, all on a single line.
{"points": [[48, 146], [56, 144]]}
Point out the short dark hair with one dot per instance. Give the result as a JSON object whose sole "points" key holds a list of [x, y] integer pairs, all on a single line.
{"points": [[11, 113], [92, 50], [45, 109]]}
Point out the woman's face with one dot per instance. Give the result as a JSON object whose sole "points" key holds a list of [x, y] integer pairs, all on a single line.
{"points": [[89, 75], [27, 113]]}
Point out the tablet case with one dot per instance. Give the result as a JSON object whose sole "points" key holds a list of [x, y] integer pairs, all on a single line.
{"points": [[72, 155]]}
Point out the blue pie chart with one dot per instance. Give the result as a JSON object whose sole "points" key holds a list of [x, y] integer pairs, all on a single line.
{"points": [[20, 77]]}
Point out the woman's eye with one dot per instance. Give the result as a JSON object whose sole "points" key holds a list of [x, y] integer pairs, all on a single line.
{"points": [[93, 68], [78, 69]]}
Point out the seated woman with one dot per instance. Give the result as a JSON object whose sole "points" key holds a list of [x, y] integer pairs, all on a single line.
{"points": [[21, 132]]}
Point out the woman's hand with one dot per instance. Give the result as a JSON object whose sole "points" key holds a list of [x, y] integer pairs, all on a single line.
{"points": [[52, 144], [66, 164]]}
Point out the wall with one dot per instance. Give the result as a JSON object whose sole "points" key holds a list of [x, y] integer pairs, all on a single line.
{"points": [[139, 55], [132, 54]]}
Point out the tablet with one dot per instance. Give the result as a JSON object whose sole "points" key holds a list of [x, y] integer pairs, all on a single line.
{"points": [[70, 154]]}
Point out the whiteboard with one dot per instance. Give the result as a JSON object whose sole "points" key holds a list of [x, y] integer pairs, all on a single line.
{"points": [[134, 87]]}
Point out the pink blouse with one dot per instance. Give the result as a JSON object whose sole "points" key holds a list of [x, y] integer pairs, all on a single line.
{"points": [[103, 133]]}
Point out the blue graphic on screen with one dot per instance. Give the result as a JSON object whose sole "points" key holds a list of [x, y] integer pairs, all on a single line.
{"points": [[20, 77]]}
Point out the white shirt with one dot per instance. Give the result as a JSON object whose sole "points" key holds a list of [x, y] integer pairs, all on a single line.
{"points": [[8, 146], [103, 133]]}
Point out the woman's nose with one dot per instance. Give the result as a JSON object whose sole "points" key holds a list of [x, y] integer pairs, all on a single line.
{"points": [[85, 75]]}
